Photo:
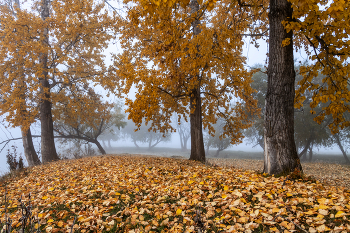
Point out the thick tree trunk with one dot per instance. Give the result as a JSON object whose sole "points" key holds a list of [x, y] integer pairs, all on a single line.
{"points": [[48, 150], [29, 151], [337, 140], [197, 145], [280, 151]]}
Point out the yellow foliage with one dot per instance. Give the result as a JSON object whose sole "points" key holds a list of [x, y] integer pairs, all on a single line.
{"points": [[77, 33], [323, 28], [167, 63]]}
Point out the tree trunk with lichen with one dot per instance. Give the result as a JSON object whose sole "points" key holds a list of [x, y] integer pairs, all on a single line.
{"points": [[280, 154]]}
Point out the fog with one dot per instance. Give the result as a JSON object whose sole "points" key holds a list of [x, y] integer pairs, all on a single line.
{"points": [[254, 56]]}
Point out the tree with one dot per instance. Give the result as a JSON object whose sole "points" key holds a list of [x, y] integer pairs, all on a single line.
{"points": [[217, 141], [255, 134], [307, 133], [323, 28], [59, 47], [84, 116], [118, 121], [280, 154], [20, 105], [186, 60], [144, 135], [184, 130]]}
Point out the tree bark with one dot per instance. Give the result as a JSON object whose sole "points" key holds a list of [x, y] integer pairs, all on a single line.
{"points": [[310, 152], [48, 150], [280, 154], [29, 151], [337, 140], [197, 144], [97, 143]]}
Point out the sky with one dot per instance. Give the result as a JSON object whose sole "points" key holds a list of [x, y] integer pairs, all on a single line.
{"points": [[254, 56]]}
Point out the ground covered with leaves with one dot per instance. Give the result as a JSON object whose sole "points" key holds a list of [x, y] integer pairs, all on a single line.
{"points": [[333, 174], [153, 194]]}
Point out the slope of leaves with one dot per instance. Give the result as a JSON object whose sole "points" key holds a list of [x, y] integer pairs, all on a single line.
{"points": [[328, 173], [152, 194]]}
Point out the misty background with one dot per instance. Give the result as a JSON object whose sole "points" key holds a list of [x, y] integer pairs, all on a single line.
{"points": [[126, 145]]}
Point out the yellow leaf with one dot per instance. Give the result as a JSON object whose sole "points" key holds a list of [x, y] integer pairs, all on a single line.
{"points": [[40, 215], [137, 189], [50, 220], [242, 220], [225, 188], [224, 196], [178, 211], [44, 197], [289, 194], [339, 214], [60, 224], [50, 189], [323, 207], [118, 194], [310, 212], [275, 210]]}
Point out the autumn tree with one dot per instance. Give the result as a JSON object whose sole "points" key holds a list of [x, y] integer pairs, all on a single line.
{"points": [[20, 104], [144, 135], [217, 141], [185, 58], [82, 115], [118, 122], [322, 27], [60, 46]]}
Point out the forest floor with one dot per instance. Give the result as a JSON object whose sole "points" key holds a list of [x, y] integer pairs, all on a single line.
{"points": [[329, 169], [162, 191]]}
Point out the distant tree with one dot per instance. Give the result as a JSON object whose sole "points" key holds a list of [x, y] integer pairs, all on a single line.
{"points": [[83, 116], [218, 140], [144, 135], [255, 134], [183, 128], [118, 121]]}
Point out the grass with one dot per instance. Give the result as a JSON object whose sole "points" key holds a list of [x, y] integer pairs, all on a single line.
{"points": [[150, 194]]}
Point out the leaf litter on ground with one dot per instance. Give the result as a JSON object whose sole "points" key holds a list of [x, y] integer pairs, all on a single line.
{"points": [[156, 194]]}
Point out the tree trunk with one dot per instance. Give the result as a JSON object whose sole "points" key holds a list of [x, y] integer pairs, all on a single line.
{"points": [[337, 140], [308, 143], [29, 151], [48, 149], [197, 145], [137, 146], [181, 140], [97, 143], [185, 143], [280, 154], [310, 153], [109, 143]]}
